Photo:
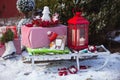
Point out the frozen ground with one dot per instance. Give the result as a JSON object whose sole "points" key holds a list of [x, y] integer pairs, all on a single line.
{"points": [[15, 69]]}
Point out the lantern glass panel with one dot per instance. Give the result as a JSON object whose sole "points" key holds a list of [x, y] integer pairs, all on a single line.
{"points": [[71, 33], [80, 35], [73, 36]]}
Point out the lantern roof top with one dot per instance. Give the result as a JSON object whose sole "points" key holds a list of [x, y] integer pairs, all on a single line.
{"points": [[78, 19]]}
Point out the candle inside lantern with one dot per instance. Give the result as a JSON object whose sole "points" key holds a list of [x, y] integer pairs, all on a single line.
{"points": [[82, 41]]}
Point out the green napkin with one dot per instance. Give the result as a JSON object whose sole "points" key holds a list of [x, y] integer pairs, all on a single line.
{"points": [[41, 51]]}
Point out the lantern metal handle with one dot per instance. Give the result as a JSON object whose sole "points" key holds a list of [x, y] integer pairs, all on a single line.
{"points": [[76, 9]]}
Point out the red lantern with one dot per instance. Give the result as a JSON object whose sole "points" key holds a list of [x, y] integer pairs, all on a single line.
{"points": [[78, 32]]}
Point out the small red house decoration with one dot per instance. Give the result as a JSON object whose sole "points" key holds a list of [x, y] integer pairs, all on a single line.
{"points": [[78, 32]]}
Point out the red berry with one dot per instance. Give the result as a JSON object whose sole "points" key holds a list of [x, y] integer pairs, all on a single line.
{"points": [[83, 67]]}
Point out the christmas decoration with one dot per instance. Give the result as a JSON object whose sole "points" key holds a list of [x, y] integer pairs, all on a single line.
{"points": [[62, 72], [14, 30], [10, 49], [7, 36], [7, 39], [58, 43], [78, 32], [30, 39], [6, 31], [40, 23], [83, 67], [46, 16], [29, 24], [55, 18], [92, 48], [45, 21], [25, 6], [52, 35], [72, 69]]}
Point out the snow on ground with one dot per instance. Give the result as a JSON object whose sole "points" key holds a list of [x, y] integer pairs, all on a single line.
{"points": [[117, 39], [15, 69]]}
